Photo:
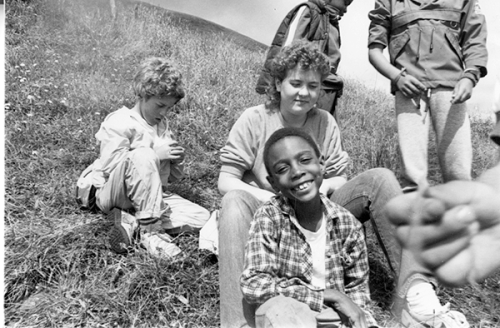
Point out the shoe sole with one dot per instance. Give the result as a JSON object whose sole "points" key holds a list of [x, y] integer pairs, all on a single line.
{"points": [[184, 229], [118, 238]]}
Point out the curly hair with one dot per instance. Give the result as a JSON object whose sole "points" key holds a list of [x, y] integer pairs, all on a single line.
{"points": [[300, 53], [158, 77]]}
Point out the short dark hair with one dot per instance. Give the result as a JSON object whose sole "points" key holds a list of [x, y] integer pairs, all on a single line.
{"points": [[288, 132]]}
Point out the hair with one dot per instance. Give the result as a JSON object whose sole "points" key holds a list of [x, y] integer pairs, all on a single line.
{"points": [[157, 77], [300, 53], [288, 132]]}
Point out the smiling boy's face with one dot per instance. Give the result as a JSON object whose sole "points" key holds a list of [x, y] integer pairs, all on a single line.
{"points": [[296, 170]]}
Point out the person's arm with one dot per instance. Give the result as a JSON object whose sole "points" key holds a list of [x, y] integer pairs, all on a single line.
{"points": [[239, 154], [336, 160], [474, 51], [452, 228], [342, 303], [259, 280], [406, 83], [114, 144], [229, 181], [473, 40], [378, 40], [356, 270]]}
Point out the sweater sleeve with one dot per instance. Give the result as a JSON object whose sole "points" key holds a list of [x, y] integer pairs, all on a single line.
{"points": [[336, 159], [238, 154], [380, 23]]}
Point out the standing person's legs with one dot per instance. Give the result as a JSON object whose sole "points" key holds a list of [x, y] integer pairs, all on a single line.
{"points": [[237, 210], [413, 136], [453, 135]]}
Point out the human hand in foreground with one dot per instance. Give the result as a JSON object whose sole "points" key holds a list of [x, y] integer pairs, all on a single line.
{"points": [[453, 229], [462, 91], [341, 303], [170, 151]]}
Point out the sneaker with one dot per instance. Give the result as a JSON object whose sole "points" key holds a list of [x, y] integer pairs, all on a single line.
{"points": [[183, 229], [122, 233], [442, 318], [159, 244]]}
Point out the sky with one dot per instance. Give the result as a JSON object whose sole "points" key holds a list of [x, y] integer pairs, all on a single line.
{"points": [[259, 20]]}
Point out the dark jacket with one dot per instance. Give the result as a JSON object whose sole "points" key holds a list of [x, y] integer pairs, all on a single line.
{"points": [[437, 41], [318, 24]]}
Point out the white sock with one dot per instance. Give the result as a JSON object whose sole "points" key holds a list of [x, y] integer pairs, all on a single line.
{"points": [[422, 299]]}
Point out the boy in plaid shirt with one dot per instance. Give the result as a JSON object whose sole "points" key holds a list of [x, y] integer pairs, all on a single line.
{"points": [[303, 249]]}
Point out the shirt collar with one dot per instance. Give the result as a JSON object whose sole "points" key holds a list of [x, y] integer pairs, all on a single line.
{"points": [[283, 204]]}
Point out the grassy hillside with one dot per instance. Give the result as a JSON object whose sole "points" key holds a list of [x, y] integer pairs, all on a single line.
{"points": [[68, 64]]}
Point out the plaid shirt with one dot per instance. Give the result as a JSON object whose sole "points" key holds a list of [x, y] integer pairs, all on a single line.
{"points": [[278, 260]]}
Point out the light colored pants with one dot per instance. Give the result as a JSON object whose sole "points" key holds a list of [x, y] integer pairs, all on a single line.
{"points": [[364, 196], [453, 136], [135, 184]]}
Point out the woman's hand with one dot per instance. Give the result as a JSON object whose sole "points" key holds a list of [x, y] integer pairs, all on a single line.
{"points": [[341, 303]]}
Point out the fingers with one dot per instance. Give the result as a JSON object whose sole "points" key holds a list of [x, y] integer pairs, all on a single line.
{"points": [[445, 251], [410, 86], [453, 193], [454, 224], [462, 91], [413, 209], [397, 209]]}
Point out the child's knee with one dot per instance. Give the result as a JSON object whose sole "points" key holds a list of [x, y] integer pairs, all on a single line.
{"points": [[144, 156]]}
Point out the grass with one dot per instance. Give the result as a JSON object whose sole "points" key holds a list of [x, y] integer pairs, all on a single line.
{"points": [[68, 65]]}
